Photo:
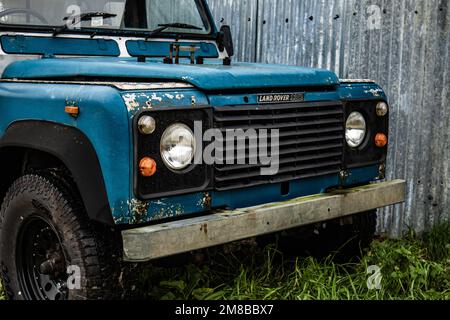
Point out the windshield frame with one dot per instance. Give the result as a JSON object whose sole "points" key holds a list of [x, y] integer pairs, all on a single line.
{"points": [[203, 9]]}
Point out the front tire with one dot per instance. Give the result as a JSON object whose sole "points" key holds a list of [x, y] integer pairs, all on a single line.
{"points": [[44, 234]]}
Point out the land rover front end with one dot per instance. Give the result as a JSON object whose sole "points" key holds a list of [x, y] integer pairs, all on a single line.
{"points": [[129, 134]]}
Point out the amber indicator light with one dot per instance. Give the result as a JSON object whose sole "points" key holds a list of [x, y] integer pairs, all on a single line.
{"points": [[147, 167], [381, 140], [73, 111]]}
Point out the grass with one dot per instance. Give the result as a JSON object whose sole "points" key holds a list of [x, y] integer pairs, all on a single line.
{"points": [[2, 295], [412, 269]]}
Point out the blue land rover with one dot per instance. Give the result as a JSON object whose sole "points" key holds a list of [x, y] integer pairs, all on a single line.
{"points": [[110, 114]]}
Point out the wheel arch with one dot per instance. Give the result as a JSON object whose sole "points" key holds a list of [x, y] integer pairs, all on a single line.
{"points": [[55, 142]]}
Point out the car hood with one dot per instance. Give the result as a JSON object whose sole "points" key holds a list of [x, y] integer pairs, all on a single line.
{"points": [[210, 76]]}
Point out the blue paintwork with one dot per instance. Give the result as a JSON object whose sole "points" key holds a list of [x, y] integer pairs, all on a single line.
{"points": [[300, 188], [191, 204], [243, 198], [362, 175], [356, 92], [162, 49], [59, 46], [172, 207], [106, 119], [361, 91], [103, 119], [211, 76]]}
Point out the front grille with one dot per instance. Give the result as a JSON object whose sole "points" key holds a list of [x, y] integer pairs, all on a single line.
{"points": [[311, 141]]}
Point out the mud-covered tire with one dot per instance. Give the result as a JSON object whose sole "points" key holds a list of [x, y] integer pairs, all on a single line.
{"points": [[88, 248]]}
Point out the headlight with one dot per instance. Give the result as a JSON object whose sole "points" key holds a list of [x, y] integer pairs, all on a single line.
{"points": [[355, 129], [178, 146]]}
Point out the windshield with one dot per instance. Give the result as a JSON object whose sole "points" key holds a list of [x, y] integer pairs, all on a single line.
{"points": [[138, 15]]}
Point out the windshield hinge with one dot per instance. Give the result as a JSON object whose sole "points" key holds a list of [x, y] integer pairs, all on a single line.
{"points": [[176, 49]]}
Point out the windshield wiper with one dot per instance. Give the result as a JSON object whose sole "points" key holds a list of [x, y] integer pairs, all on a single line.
{"points": [[176, 25], [81, 17]]}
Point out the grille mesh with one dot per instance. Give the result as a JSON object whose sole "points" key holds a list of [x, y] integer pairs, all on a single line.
{"points": [[311, 142]]}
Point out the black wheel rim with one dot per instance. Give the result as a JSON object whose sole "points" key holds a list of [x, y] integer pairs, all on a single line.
{"points": [[41, 261]]}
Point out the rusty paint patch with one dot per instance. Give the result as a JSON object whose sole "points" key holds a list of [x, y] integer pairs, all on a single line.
{"points": [[156, 97], [204, 228], [120, 212], [138, 210], [205, 201], [172, 211], [130, 102], [187, 78], [375, 92]]}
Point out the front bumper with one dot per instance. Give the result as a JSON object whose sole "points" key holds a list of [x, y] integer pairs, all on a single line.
{"points": [[163, 240]]}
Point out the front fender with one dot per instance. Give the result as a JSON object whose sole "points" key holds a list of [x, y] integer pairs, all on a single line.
{"points": [[102, 126], [74, 149]]}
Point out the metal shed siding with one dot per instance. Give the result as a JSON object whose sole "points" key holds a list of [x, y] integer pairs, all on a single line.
{"points": [[408, 56]]}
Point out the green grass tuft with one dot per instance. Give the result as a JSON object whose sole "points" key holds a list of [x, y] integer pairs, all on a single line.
{"points": [[437, 242], [412, 269], [2, 295]]}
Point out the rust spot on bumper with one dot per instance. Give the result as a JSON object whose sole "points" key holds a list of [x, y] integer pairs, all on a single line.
{"points": [[204, 228]]}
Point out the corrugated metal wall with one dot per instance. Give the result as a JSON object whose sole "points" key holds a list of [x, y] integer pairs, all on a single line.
{"points": [[408, 55]]}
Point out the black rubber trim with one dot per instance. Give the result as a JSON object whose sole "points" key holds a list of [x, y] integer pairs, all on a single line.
{"points": [[72, 148]]}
